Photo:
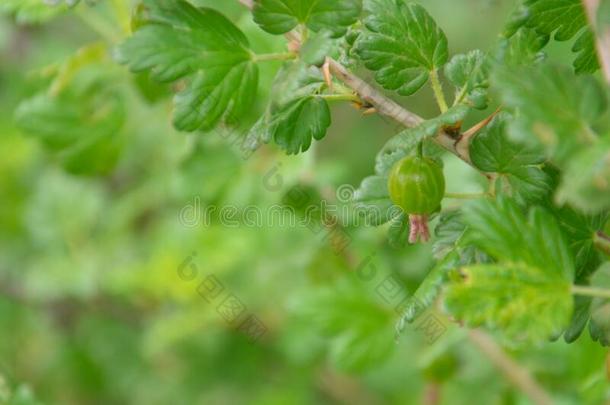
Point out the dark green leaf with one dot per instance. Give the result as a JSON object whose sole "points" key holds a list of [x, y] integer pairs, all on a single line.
{"points": [[205, 49], [586, 181], [280, 16], [402, 45], [294, 125], [491, 151], [599, 326]]}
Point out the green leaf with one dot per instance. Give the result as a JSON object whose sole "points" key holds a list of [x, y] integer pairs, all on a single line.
{"points": [[599, 327], [580, 230], [556, 109], [469, 73], [320, 45], [428, 290], [294, 125], [402, 45], [520, 167], [450, 238], [205, 49], [526, 293], [372, 201], [281, 16], [564, 19], [398, 233], [586, 182], [502, 230], [580, 317], [526, 302], [522, 48], [80, 125]]}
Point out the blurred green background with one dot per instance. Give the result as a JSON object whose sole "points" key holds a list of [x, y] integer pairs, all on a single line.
{"points": [[93, 308]]}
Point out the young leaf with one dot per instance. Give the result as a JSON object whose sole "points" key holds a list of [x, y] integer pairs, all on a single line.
{"points": [[520, 167], [402, 45], [469, 73], [202, 47], [281, 16], [526, 302], [556, 108]]}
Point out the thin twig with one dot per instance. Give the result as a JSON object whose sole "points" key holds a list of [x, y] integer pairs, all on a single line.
{"points": [[391, 109], [602, 36], [513, 371]]}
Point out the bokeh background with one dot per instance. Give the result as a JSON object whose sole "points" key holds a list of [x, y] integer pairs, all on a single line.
{"points": [[100, 276]]}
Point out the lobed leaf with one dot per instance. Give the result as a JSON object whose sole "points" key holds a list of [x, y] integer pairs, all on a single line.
{"points": [[525, 302], [178, 41], [491, 151], [281, 16], [402, 44]]}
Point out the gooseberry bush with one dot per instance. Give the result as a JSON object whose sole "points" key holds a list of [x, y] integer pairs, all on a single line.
{"points": [[526, 257]]}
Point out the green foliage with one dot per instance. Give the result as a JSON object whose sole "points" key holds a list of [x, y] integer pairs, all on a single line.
{"points": [[600, 307], [280, 16], [564, 19], [402, 44], [525, 302], [105, 204], [357, 325], [203, 47], [469, 74], [80, 124], [294, 125], [526, 292], [31, 11], [555, 108], [520, 169]]}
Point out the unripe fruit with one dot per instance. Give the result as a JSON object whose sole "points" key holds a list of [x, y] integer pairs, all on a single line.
{"points": [[417, 185]]}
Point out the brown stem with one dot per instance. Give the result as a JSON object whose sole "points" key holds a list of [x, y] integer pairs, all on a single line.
{"points": [[513, 371], [391, 109], [602, 36]]}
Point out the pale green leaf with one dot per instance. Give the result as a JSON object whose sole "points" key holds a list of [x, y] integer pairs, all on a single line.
{"points": [[556, 109], [527, 303]]}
